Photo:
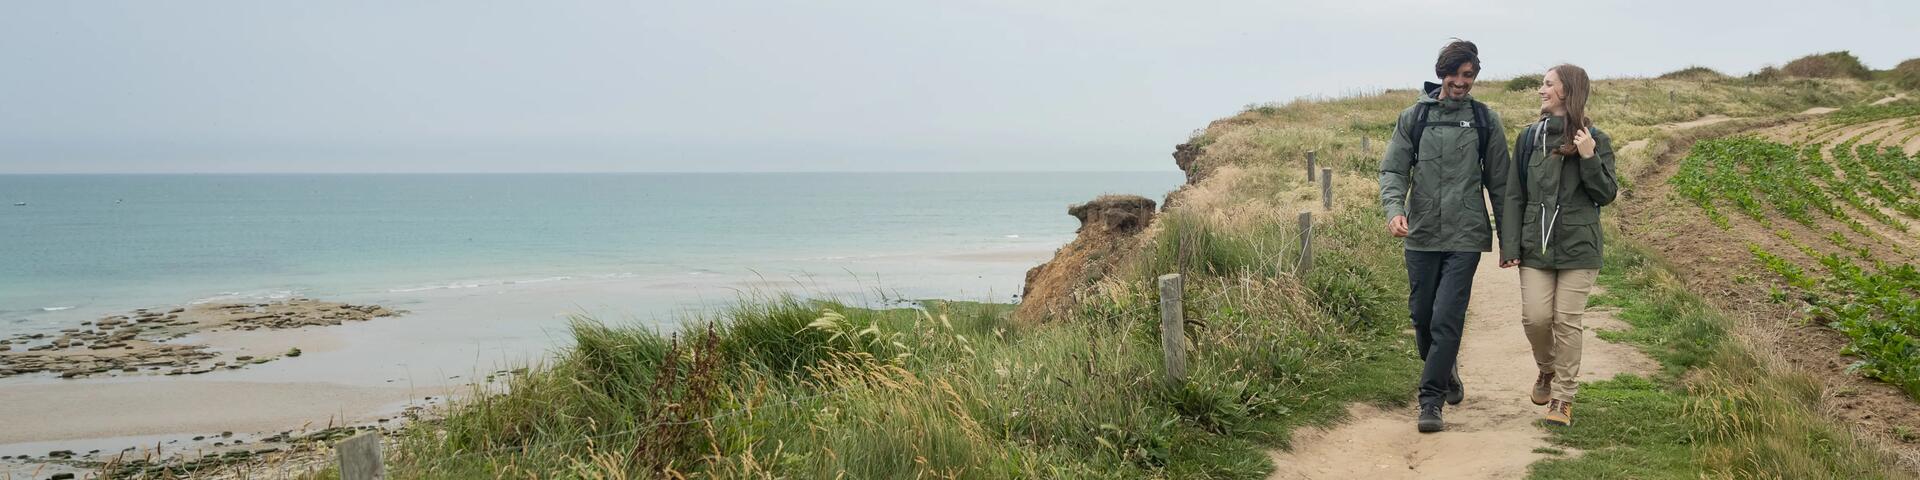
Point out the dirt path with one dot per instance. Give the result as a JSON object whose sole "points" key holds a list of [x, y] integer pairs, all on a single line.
{"points": [[1490, 435]]}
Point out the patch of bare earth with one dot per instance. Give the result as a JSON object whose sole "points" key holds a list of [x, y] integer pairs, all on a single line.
{"points": [[1492, 434], [1716, 264], [1695, 123]]}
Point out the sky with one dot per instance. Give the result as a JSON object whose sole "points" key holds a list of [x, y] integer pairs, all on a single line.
{"points": [[253, 86]]}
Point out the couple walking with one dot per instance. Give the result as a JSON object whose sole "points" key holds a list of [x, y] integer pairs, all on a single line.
{"points": [[1546, 193]]}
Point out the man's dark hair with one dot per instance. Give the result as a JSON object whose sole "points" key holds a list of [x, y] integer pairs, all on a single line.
{"points": [[1455, 54]]}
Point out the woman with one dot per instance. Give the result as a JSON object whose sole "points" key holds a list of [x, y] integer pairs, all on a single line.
{"points": [[1561, 175]]}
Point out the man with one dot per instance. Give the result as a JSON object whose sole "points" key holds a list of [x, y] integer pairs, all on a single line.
{"points": [[1445, 150]]}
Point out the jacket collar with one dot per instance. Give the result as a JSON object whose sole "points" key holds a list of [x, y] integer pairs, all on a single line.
{"points": [[1431, 94]]}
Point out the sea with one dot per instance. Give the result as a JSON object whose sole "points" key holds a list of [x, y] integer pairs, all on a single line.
{"points": [[528, 250]]}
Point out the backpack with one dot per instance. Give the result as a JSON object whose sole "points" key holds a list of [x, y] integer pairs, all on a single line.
{"points": [[1479, 123]]}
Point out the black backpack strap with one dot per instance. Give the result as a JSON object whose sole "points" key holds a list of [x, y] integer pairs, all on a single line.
{"points": [[1522, 152], [1419, 128], [1482, 124], [1482, 121]]}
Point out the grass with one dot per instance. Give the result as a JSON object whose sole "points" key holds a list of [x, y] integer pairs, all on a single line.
{"points": [[1905, 75], [1841, 64], [1696, 73], [1858, 114], [1874, 307], [780, 386], [1719, 408], [955, 390]]}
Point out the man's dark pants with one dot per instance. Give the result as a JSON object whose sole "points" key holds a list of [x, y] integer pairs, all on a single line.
{"points": [[1441, 283]]}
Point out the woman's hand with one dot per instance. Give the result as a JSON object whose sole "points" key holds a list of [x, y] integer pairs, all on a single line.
{"points": [[1510, 263], [1584, 141]]}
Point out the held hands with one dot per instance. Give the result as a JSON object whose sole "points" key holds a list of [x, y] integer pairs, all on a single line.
{"points": [[1583, 140], [1397, 226], [1510, 263]]}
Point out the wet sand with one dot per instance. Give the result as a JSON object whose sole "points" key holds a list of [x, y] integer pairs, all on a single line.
{"points": [[361, 372]]}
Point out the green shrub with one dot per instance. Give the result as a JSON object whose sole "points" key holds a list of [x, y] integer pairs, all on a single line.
{"points": [[1694, 73], [1841, 64], [1765, 74], [1524, 82], [1906, 75]]}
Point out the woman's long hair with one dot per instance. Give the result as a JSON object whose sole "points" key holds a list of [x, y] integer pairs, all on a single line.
{"points": [[1574, 88]]}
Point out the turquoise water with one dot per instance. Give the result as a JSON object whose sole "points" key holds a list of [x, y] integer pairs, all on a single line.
{"points": [[87, 244]]}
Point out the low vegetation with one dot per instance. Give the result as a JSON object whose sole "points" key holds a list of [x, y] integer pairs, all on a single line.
{"points": [[1525, 83], [1905, 75], [1841, 64], [780, 386], [1869, 299], [1694, 73], [1720, 407]]}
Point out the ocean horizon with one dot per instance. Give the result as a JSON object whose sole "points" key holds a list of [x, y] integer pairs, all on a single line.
{"points": [[87, 245]]}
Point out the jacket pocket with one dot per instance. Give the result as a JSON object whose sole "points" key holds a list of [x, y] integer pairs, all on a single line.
{"points": [[1423, 218], [1579, 236], [1530, 227]]}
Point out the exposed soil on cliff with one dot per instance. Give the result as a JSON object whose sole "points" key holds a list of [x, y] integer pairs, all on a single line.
{"points": [[1110, 226]]}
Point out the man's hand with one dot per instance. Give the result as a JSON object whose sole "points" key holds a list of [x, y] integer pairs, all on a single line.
{"points": [[1583, 141], [1397, 226], [1510, 263]]}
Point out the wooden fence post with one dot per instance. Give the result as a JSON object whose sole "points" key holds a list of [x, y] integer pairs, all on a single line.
{"points": [[1310, 161], [1306, 241], [360, 457], [1173, 332], [1326, 189]]}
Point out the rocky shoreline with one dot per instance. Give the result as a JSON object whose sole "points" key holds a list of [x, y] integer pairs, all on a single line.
{"points": [[140, 342]]}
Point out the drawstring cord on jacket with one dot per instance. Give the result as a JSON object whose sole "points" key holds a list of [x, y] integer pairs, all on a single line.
{"points": [[1540, 138]]}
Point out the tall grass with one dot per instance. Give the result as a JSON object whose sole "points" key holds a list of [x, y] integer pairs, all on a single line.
{"points": [[790, 387], [781, 386], [1720, 408]]}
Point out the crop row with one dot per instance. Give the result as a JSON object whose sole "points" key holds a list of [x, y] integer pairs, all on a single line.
{"points": [[1876, 307]]}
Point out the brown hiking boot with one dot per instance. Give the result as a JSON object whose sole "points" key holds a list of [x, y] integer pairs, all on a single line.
{"points": [[1559, 413], [1543, 388]]}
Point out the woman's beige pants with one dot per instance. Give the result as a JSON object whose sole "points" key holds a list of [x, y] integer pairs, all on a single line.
{"points": [[1551, 303]]}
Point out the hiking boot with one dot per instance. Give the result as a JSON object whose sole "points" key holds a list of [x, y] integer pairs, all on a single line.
{"points": [[1543, 388], [1430, 418], [1559, 413], [1459, 390]]}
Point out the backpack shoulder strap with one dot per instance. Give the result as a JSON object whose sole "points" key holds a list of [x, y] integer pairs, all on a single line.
{"points": [[1482, 121], [1522, 152], [1419, 128]]}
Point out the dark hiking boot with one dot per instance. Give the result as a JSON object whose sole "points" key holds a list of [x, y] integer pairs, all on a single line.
{"points": [[1543, 388], [1459, 390], [1430, 419], [1559, 413]]}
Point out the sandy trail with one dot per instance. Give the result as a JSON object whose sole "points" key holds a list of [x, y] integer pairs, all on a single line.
{"points": [[1490, 435]]}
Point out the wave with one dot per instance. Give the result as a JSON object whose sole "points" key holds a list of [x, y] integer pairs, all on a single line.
{"points": [[245, 296], [494, 283], [55, 309]]}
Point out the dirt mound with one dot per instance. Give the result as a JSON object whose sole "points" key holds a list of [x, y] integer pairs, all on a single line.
{"points": [[1109, 227]]}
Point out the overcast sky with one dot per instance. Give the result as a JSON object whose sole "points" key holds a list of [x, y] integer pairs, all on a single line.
{"points": [[560, 86]]}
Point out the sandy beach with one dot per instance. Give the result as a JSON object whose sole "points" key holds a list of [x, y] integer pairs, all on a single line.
{"points": [[373, 359]]}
